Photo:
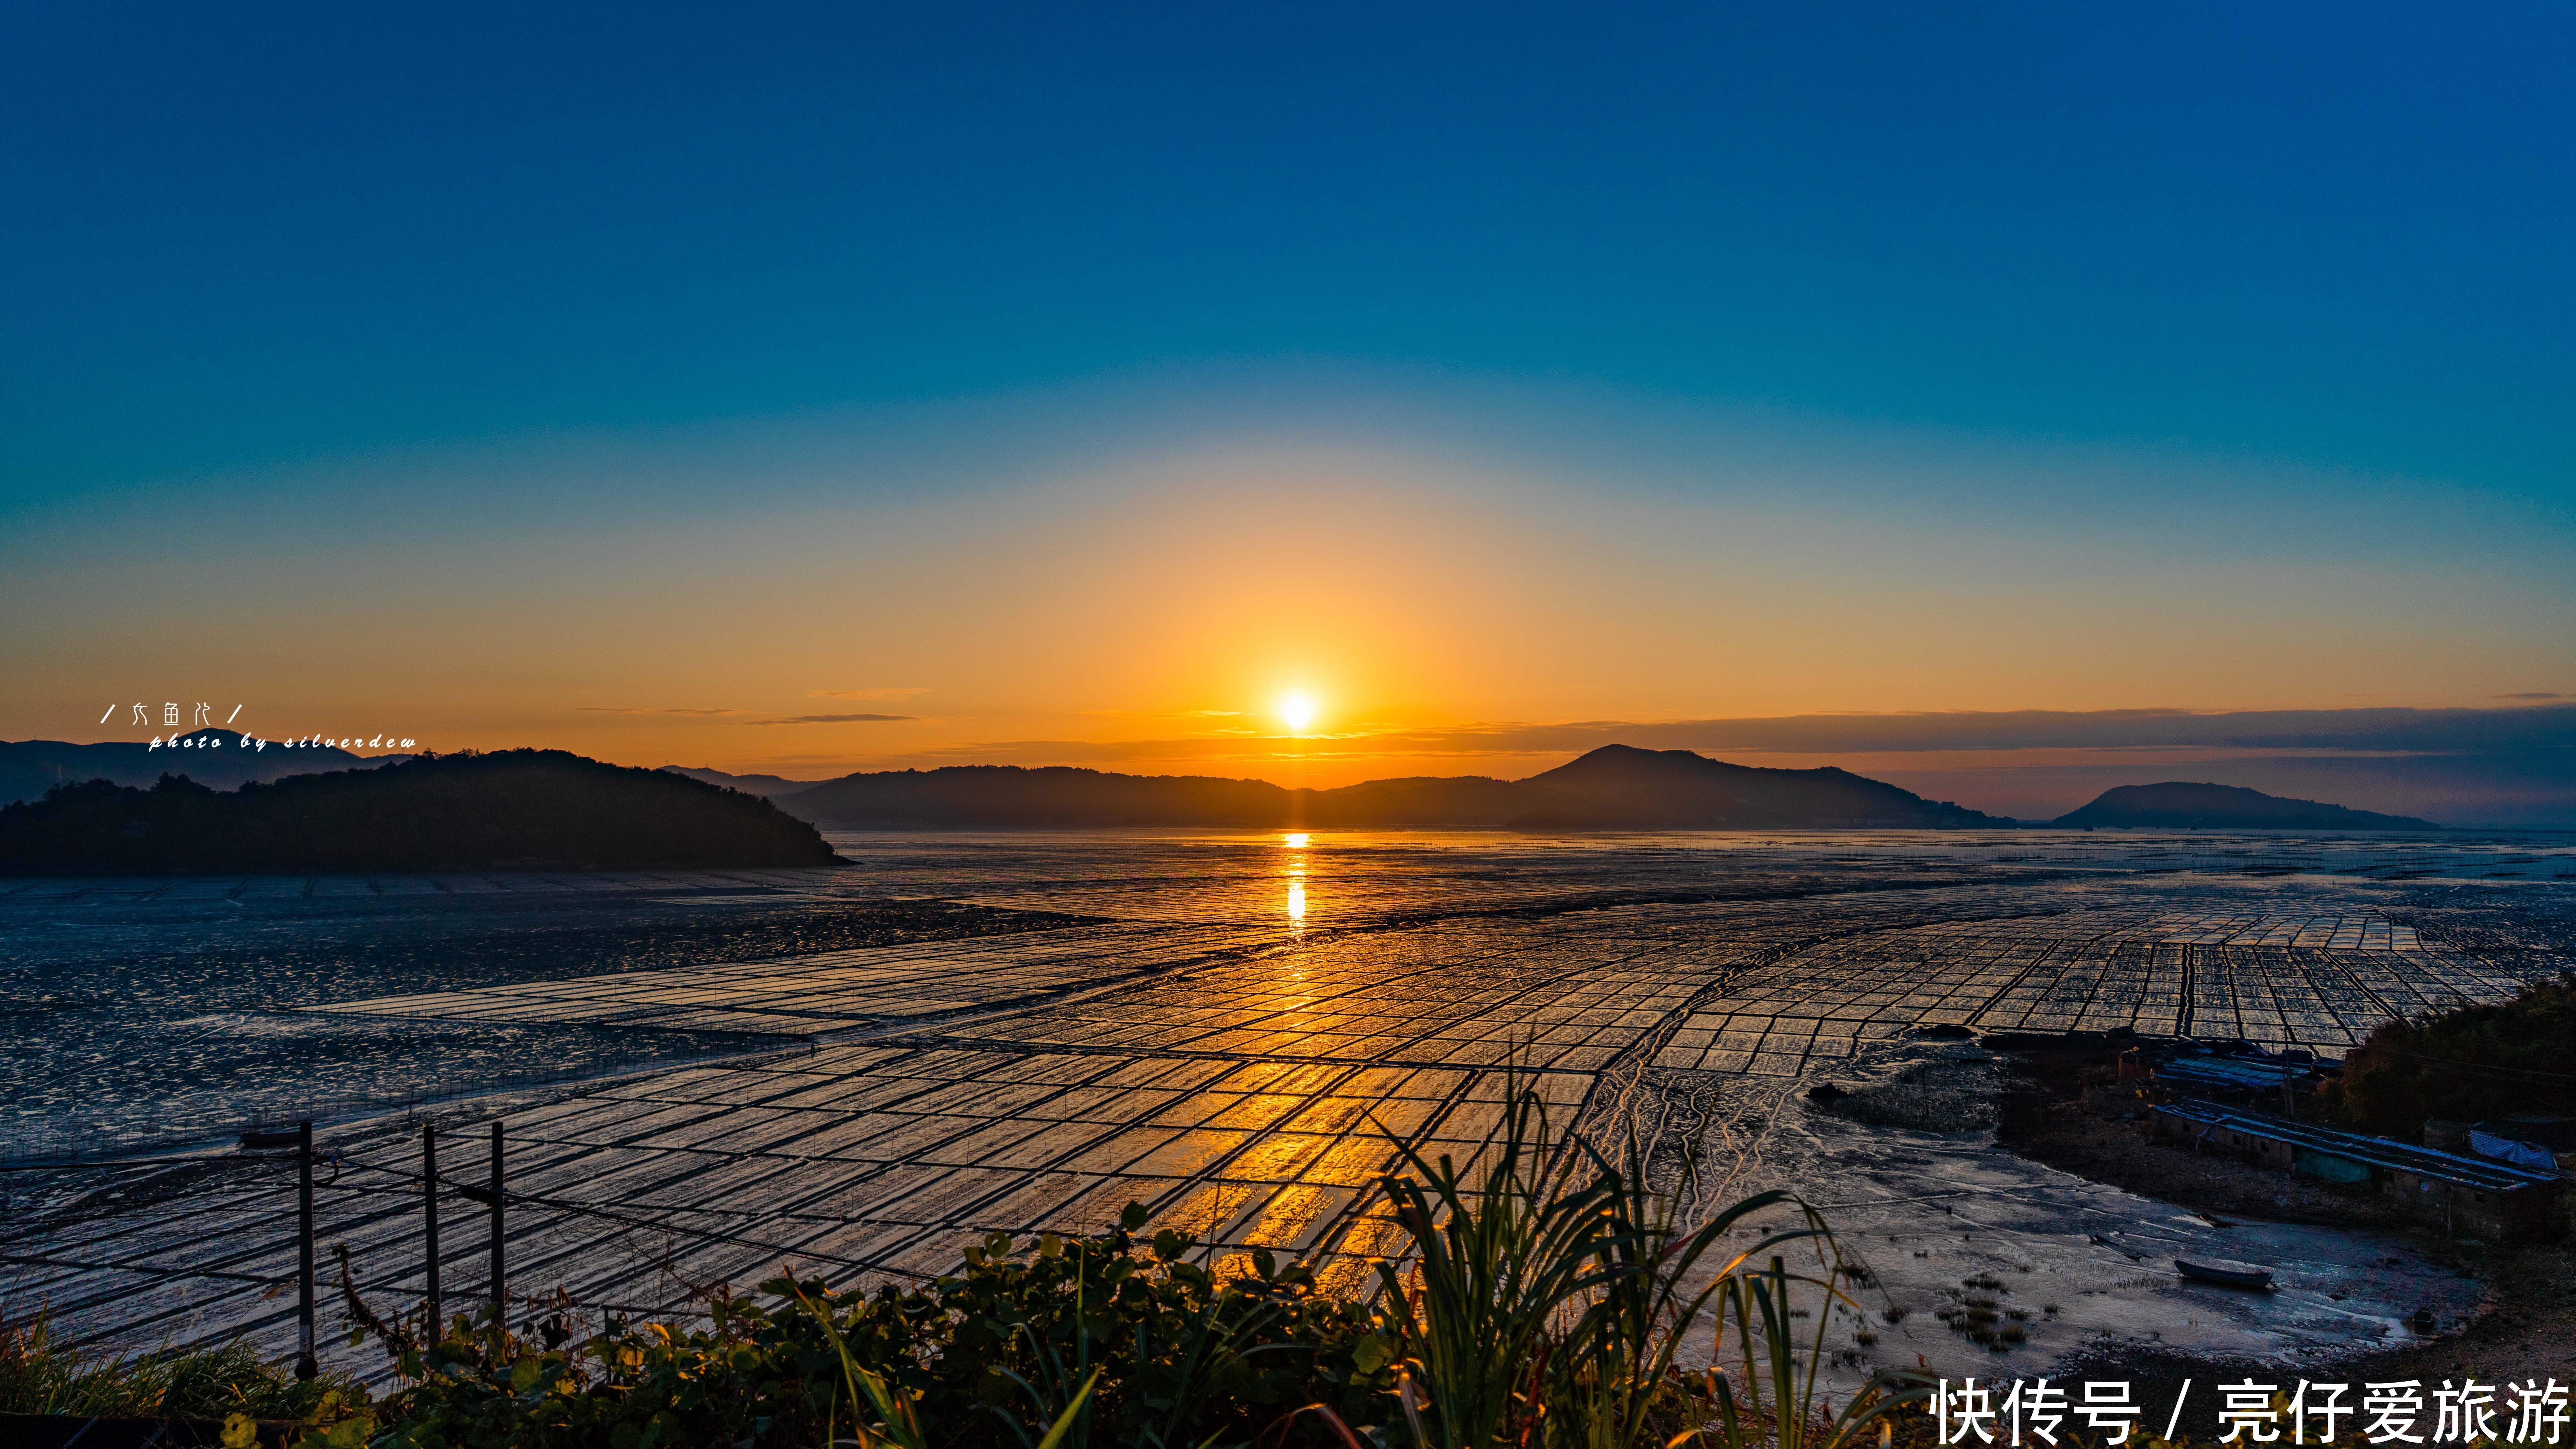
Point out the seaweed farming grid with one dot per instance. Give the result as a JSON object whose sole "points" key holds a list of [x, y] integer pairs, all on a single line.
{"points": [[1242, 1071]]}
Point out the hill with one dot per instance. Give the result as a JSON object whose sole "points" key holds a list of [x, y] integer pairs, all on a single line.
{"points": [[1612, 788], [764, 786], [1009, 797], [28, 768], [2177, 805], [1617, 787], [513, 808]]}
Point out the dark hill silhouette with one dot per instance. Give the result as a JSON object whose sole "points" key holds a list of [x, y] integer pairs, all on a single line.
{"points": [[2177, 804], [1612, 788], [512, 808], [764, 786], [1006, 797], [28, 768], [1618, 787], [1458, 801]]}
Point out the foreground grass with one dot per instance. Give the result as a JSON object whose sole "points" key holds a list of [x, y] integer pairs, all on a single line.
{"points": [[37, 1376]]}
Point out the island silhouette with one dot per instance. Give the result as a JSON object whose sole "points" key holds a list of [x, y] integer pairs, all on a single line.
{"points": [[220, 758], [525, 809], [2182, 805]]}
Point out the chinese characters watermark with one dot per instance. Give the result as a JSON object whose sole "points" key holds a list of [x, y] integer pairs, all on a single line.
{"points": [[2469, 1412], [204, 720]]}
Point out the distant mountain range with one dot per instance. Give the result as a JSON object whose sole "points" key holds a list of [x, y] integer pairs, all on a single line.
{"points": [[761, 785], [1615, 787], [2176, 805], [29, 768]]}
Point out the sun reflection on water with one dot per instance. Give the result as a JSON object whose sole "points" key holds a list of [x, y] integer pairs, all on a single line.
{"points": [[1296, 840]]}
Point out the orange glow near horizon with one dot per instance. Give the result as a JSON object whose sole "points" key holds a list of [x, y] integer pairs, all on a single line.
{"points": [[1128, 616]]}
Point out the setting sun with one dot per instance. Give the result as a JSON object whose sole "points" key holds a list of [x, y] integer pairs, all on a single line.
{"points": [[1298, 711]]}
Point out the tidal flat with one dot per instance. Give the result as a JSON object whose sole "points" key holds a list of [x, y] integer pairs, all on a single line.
{"points": [[859, 1069]]}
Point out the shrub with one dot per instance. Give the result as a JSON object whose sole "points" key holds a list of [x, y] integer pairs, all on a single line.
{"points": [[2468, 1063], [993, 1354]]}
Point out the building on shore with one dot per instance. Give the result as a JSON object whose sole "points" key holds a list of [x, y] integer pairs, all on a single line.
{"points": [[2466, 1196]]}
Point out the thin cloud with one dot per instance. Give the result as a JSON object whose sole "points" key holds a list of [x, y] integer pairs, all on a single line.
{"points": [[833, 719], [864, 694], [1174, 714], [2533, 695], [634, 709]]}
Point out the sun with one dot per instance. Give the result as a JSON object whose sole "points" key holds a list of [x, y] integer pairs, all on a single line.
{"points": [[1297, 711]]}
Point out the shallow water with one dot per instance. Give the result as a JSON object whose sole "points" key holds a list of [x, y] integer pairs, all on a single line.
{"points": [[145, 1016]]}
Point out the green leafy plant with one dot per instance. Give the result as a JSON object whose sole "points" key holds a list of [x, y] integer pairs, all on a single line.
{"points": [[1049, 1343]]}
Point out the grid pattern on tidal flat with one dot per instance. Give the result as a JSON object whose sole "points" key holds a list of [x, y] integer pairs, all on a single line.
{"points": [[838, 988], [1545, 1000], [2279, 981], [1240, 1079], [884, 1156]]}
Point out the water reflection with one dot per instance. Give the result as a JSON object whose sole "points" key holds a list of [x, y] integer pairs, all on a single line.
{"points": [[1296, 840]]}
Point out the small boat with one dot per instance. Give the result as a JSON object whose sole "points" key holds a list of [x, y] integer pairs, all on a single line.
{"points": [[2226, 1275]]}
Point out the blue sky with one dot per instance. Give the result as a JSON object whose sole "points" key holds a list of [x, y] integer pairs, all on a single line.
{"points": [[1080, 372], [254, 234]]}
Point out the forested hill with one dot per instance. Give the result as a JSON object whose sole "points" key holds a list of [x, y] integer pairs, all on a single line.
{"points": [[532, 809], [217, 757], [1612, 788]]}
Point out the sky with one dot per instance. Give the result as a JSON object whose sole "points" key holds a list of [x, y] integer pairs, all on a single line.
{"points": [[812, 389]]}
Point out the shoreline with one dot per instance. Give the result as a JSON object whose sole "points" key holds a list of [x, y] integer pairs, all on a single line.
{"points": [[2061, 1107]]}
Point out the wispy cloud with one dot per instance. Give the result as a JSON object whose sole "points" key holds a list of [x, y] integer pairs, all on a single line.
{"points": [[636, 709], [2533, 695], [863, 693], [832, 719]]}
